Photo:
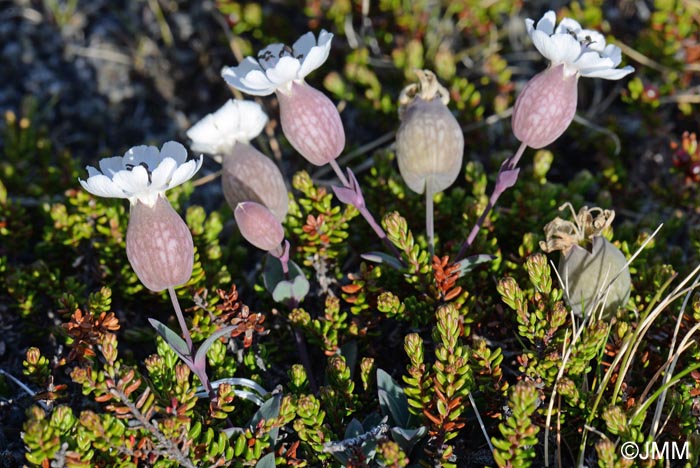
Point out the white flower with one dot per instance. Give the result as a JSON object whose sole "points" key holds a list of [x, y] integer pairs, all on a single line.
{"points": [[278, 66], [582, 51], [217, 133], [142, 173]]}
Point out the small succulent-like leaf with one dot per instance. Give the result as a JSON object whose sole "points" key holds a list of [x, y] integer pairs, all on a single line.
{"points": [[173, 340], [392, 399], [468, 264], [382, 258]]}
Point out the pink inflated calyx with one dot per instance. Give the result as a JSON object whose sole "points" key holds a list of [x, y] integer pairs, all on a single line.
{"points": [[249, 175], [311, 123], [159, 245], [545, 107], [259, 226]]}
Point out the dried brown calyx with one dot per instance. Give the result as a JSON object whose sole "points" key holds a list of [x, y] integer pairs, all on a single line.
{"points": [[427, 88], [563, 235]]}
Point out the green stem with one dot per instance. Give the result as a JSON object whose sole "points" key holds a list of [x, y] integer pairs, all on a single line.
{"points": [[429, 217]]}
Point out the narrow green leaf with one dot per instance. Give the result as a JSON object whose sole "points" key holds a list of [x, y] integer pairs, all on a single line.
{"points": [[382, 258], [269, 410], [173, 340], [408, 438], [392, 399], [200, 357], [468, 264]]}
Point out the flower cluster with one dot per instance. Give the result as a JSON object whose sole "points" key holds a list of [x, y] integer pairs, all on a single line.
{"points": [[547, 104], [158, 242]]}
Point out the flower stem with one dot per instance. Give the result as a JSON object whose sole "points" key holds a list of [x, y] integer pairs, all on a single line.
{"points": [[509, 164], [200, 373], [181, 319], [282, 254], [365, 212], [339, 173], [429, 223]]}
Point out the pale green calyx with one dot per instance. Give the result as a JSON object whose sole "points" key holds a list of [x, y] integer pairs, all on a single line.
{"points": [[594, 272]]}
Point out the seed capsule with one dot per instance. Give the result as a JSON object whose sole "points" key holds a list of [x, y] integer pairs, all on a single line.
{"points": [[429, 142], [586, 275], [593, 270]]}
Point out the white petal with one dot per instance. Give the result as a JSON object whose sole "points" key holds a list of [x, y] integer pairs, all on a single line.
{"points": [[248, 77], [591, 61], [92, 171], [227, 118], [102, 186], [559, 48], [568, 26], [592, 39], [285, 71], [529, 25], [185, 172], [132, 182], [237, 120], [138, 154], [251, 120], [543, 43], [317, 55], [162, 174], [610, 73], [110, 166], [270, 55], [148, 197], [614, 53], [206, 148], [204, 135], [304, 44], [175, 150], [546, 23]]}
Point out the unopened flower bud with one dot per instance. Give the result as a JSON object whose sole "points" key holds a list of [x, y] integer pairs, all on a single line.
{"points": [[545, 107], [311, 123], [159, 245], [259, 226], [249, 175], [429, 142]]}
